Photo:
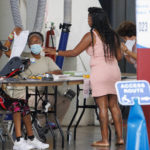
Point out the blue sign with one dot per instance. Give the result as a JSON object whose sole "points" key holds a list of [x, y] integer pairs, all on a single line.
{"points": [[128, 91]]}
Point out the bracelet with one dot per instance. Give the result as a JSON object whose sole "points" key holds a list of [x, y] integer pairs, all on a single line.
{"points": [[11, 37], [10, 40]]}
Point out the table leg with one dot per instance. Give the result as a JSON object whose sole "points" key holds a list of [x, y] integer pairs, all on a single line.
{"points": [[76, 111], [34, 114], [81, 115], [47, 121], [55, 116], [2, 140], [51, 130]]}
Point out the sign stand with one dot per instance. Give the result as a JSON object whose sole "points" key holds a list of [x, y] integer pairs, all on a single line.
{"points": [[137, 138]]}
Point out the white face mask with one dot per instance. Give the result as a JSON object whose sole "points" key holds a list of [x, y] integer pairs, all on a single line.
{"points": [[129, 44]]}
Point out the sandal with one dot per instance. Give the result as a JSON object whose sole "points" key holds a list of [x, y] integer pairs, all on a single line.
{"points": [[100, 144], [120, 142]]}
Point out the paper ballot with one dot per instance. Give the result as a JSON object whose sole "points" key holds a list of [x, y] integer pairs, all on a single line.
{"points": [[19, 43]]}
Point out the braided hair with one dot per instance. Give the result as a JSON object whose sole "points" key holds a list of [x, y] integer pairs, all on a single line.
{"points": [[109, 37]]}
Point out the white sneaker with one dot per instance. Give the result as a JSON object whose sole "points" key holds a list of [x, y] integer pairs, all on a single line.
{"points": [[37, 144], [22, 145]]}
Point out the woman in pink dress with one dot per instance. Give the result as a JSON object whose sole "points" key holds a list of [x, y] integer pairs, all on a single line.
{"points": [[103, 45]]}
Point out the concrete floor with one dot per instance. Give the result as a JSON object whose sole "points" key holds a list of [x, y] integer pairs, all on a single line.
{"points": [[85, 137]]}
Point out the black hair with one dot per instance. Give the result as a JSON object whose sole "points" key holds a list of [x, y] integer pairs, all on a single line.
{"points": [[108, 36], [127, 28], [36, 33]]}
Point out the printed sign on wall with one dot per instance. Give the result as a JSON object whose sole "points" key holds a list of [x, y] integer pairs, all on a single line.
{"points": [[143, 23]]}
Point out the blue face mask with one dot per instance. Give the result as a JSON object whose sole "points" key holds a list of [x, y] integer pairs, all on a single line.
{"points": [[36, 49]]}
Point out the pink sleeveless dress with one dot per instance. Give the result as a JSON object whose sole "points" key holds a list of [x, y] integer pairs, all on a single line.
{"points": [[104, 74]]}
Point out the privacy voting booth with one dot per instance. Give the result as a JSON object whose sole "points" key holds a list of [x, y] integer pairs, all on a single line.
{"points": [[143, 48]]}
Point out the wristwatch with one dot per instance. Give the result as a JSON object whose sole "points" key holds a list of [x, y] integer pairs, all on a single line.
{"points": [[56, 53], [3, 48]]}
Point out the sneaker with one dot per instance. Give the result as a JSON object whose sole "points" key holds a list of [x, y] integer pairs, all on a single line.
{"points": [[22, 145], [37, 144]]}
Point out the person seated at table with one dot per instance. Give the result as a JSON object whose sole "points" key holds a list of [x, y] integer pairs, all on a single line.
{"points": [[127, 31], [35, 43], [20, 110], [39, 65]]}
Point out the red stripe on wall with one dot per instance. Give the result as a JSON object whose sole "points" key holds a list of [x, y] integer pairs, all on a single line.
{"points": [[143, 73]]}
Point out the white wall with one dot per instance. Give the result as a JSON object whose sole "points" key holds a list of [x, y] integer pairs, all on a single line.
{"points": [[79, 23], [6, 21]]}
